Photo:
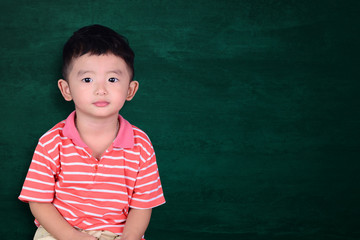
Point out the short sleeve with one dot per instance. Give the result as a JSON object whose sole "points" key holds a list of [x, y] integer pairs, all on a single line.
{"points": [[39, 185], [148, 191]]}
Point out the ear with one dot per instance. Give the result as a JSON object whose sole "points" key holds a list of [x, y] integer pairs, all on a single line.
{"points": [[65, 89], [133, 87]]}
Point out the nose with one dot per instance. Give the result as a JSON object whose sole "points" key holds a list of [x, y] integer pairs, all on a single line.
{"points": [[100, 90]]}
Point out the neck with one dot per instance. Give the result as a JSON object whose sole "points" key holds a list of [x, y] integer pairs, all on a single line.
{"points": [[97, 127]]}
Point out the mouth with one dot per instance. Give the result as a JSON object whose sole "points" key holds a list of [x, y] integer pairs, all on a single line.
{"points": [[101, 103]]}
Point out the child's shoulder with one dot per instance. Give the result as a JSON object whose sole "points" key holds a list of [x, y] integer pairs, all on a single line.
{"points": [[139, 133], [53, 133], [141, 138]]}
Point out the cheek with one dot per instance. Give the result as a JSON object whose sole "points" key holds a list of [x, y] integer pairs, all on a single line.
{"points": [[121, 91], [79, 96]]}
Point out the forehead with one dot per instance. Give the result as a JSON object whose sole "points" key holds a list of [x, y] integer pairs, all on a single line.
{"points": [[98, 64]]}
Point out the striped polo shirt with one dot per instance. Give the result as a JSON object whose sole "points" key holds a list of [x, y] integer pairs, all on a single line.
{"points": [[89, 193]]}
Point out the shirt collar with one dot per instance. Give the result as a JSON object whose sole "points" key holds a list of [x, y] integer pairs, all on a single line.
{"points": [[124, 138]]}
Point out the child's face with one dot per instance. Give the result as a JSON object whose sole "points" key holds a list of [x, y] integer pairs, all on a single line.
{"points": [[98, 85]]}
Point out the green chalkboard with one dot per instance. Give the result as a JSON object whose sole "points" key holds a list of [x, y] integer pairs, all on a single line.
{"points": [[253, 108]]}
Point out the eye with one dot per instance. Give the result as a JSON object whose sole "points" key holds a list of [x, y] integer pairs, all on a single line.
{"points": [[86, 80], [112, 80]]}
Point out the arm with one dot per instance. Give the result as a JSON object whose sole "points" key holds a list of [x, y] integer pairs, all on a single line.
{"points": [[49, 217], [136, 224]]}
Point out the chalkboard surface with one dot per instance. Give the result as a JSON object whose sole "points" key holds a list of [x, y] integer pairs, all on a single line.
{"points": [[252, 107]]}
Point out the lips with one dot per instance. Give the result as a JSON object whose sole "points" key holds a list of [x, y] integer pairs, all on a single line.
{"points": [[101, 103]]}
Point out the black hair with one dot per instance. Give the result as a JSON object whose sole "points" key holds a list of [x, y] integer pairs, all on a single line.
{"points": [[97, 40]]}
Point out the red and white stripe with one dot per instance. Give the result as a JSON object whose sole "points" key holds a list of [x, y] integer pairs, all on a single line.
{"points": [[89, 193]]}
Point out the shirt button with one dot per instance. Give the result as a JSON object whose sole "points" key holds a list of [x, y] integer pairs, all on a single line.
{"points": [[96, 167]]}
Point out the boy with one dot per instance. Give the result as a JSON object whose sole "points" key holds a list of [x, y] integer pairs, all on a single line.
{"points": [[94, 175]]}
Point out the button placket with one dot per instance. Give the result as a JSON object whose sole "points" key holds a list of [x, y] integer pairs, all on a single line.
{"points": [[96, 167]]}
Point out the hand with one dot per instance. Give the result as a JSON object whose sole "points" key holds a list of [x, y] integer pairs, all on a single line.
{"points": [[83, 236]]}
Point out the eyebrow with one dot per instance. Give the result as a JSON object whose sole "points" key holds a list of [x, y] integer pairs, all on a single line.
{"points": [[82, 72], [117, 71]]}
